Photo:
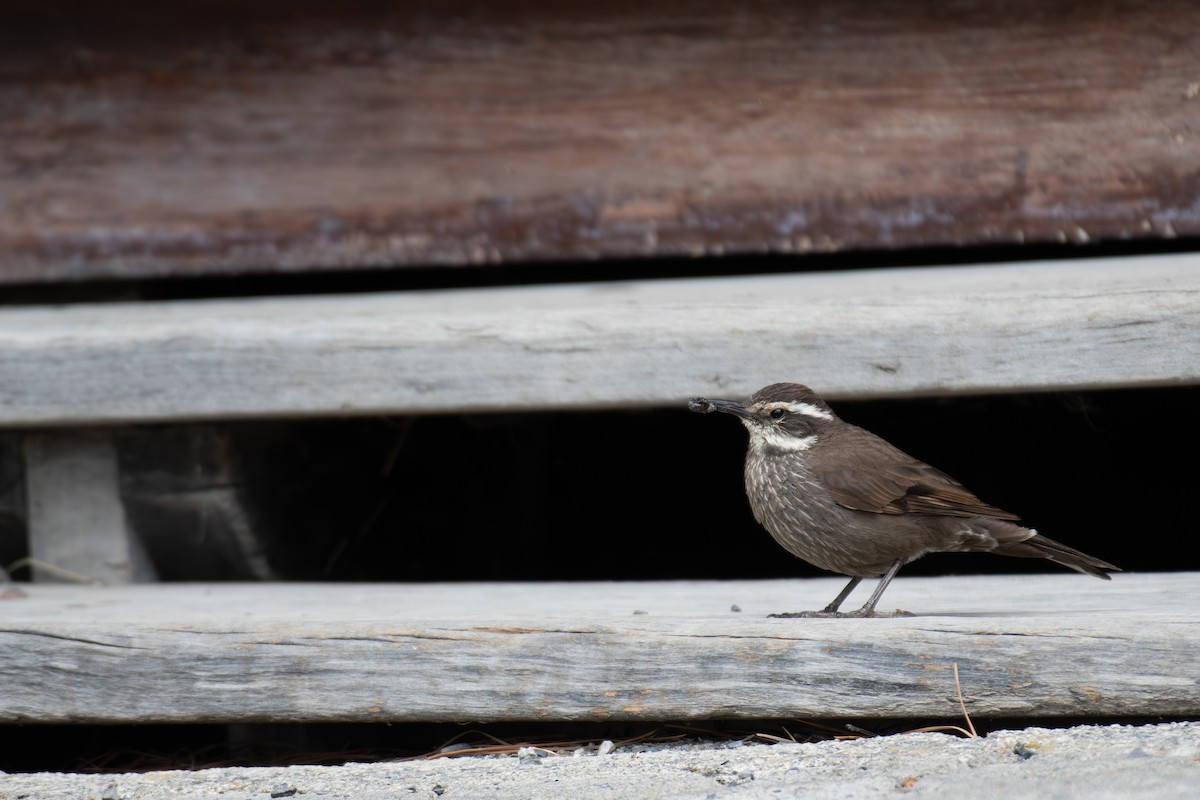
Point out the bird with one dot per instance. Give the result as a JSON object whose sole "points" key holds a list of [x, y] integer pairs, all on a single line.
{"points": [[848, 501]]}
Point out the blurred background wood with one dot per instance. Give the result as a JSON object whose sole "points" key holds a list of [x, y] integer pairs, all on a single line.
{"points": [[200, 137]]}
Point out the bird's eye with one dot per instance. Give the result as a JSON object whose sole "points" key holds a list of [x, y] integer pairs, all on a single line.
{"points": [[778, 413]]}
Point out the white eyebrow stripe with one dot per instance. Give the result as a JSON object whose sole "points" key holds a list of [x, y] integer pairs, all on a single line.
{"points": [[807, 409]]}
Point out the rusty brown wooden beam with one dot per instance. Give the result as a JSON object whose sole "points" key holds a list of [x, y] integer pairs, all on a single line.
{"points": [[143, 139]]}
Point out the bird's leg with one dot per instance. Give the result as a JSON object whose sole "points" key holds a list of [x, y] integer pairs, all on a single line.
{"points": [[828, 611], [868, 610], [837, 601]]}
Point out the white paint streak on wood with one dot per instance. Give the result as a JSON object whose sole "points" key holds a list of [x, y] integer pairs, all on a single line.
{"points": [[885, 332], [1027, 646]]}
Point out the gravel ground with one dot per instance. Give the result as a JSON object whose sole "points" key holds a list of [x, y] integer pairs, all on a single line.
{"points": [[1116, 761]]}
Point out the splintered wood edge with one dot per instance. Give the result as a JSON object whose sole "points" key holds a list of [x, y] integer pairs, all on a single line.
{"points": [[887, 332], [1029, 646]]}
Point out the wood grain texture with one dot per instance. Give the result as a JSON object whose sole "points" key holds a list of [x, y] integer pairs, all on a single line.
{"points": [[1026, 646], [210, 137], [1122, 322]]}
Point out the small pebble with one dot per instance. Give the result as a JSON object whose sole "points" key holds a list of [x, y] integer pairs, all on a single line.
{"points": [[735, 608], [605, 747], [283, 790], [439, 790], [530, 753], [639, 612], [1024, 752]]}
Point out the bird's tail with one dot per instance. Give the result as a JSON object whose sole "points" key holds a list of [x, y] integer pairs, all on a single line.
{"points": [[1037, 546]]}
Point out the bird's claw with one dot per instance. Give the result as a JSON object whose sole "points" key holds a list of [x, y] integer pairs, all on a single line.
{"points": [[860, 614]]}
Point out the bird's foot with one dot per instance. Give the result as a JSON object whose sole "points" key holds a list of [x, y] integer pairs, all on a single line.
{"points": [[862, 613]]}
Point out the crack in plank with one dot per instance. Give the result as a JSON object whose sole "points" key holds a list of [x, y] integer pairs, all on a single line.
{"points": [[65, 638]]}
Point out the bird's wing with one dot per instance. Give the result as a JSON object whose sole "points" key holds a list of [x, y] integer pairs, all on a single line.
{"points": [[863, 472]]}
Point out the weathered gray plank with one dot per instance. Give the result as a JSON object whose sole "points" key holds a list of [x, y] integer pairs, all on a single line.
{"points": [[1036, 646], [222, 137], [1093, 323]]}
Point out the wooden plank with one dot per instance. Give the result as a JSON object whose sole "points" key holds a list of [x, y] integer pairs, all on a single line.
{"points": [[77, 524], [225, 136], [1095, 323], [1026, 646]]}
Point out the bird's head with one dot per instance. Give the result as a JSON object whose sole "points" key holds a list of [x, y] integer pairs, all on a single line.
{"points": [[782, 416]]}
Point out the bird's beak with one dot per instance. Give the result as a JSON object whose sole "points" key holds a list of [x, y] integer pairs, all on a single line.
{"points": [[702, 405]]}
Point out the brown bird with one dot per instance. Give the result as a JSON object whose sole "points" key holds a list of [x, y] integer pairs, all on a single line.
{"points": [[845, 500]]}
